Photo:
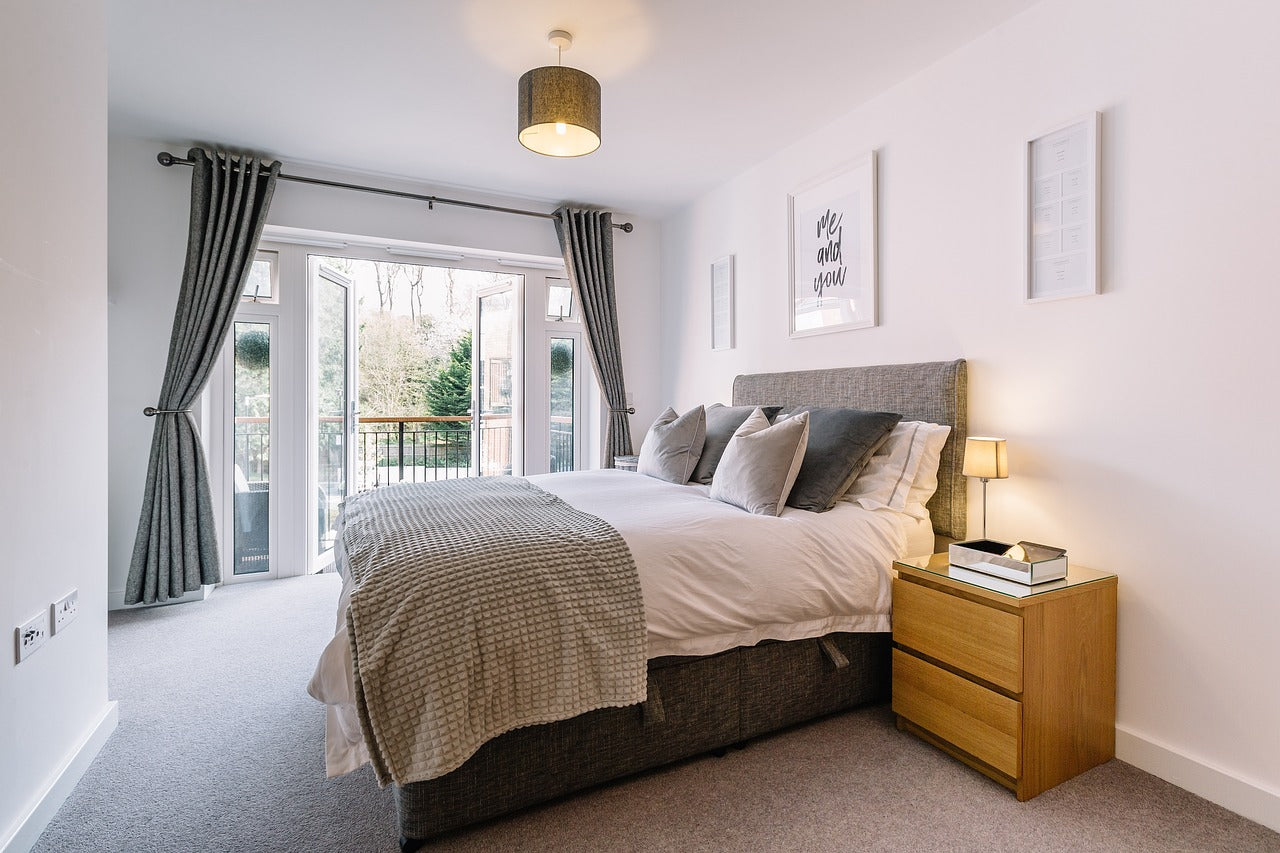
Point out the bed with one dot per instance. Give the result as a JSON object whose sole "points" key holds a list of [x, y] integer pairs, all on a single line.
{"points": [[712, 683]]}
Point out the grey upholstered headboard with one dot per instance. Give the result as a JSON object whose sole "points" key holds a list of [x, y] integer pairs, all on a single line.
{"points": [[936, 391]]}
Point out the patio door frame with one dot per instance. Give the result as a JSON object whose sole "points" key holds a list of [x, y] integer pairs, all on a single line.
{"points": [[222, 441], [520, 343], [317, 562]]}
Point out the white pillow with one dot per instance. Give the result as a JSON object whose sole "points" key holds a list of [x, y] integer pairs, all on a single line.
{"points": [[925, 481], [673, 444], [902, 470], [761, 462]]}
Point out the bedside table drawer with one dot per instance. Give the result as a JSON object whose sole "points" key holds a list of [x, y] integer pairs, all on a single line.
{"points": [[979, 721], [982, 641]]}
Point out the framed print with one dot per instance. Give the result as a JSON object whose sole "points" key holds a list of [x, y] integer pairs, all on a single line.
{"points": [[722, 303], [833, 251], [1062, 211]]}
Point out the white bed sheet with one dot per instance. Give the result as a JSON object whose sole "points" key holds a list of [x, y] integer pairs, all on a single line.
{"points": [[920, 536], [713, 577]]}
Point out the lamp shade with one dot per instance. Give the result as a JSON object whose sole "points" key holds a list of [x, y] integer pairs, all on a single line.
{"points": [[985, 457], [559, 111]]}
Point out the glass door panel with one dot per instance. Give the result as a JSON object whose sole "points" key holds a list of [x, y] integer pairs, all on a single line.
{"points": [[495, 410], [332, 374], [563, 404], [251, 395]]}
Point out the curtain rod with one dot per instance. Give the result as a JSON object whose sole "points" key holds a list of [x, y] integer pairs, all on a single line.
{"points": [[166, 159]]}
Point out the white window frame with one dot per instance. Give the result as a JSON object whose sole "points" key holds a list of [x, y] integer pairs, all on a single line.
{"points": [[580, 370], [222, 412], [575, 307], [272, 257]]}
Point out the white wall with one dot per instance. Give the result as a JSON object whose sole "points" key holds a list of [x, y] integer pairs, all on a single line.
{"points": [[1140, 422], [54, 712], [148, 214]]}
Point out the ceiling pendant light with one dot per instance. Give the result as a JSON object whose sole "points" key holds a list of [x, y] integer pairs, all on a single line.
{"points": [[559, 106]]}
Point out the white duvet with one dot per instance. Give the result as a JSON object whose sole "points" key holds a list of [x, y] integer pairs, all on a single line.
{"points": [[713, 577]]}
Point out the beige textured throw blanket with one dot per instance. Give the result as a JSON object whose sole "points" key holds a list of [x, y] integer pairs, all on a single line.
{"points": [[479, 606]]}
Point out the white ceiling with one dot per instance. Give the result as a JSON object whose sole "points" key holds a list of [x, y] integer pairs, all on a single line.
{"points": [[694, 91]]}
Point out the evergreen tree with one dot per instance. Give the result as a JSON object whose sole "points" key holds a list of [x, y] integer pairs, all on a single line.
{"points": [[449, 391]]}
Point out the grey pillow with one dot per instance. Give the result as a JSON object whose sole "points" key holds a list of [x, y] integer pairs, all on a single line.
{"points": [[673, 444], [761, 462], [722, 422], [841, 443]]}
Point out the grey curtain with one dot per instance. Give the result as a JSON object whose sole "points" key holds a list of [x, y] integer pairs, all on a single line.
{"points": [[586, 239], [176, 549]]}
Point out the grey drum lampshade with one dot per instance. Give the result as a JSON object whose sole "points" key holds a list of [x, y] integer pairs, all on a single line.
{"points": [[559, 111]]}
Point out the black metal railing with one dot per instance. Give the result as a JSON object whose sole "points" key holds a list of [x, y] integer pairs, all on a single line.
{"points": [[401, 449], [412, 449], [253, 448], [562, 449], [251, 539]]}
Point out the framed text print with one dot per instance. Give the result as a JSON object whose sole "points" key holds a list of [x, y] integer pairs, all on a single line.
{"points": [[833, 251], [722, 303], [1062, 212]]}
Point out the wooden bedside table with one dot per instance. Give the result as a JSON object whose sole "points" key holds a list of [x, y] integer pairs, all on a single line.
{"points": [[1022, 689], [626, 463]]}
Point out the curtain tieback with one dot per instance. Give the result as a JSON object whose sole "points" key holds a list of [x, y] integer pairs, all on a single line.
{"points": [[630, 411], [152, 411]]}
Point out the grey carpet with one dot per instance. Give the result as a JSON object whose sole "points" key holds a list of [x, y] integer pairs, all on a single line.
{"points": [[220, 749]]}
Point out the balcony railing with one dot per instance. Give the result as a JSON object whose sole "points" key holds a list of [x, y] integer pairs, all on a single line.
{"points": [[412, 449], [403, 449]]}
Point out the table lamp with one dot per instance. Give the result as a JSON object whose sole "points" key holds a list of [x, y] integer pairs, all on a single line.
{"points": [[987, 459]]}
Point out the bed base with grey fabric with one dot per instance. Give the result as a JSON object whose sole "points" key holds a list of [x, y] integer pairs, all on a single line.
{"points": [[697, 705]]}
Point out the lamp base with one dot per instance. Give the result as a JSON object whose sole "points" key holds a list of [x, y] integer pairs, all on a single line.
{"points": [[984, 507]]}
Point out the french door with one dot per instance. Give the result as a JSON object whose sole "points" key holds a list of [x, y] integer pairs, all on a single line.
{"points": [[497, 419], [285, 439], [332, 411]]}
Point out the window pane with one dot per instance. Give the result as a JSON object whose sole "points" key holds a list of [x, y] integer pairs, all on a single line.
{"points": [[258, 288], [562, 404], [559, 299], [252, 411]]}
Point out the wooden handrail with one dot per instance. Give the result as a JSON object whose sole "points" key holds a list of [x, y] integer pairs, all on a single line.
{"points": [[425, 419]]}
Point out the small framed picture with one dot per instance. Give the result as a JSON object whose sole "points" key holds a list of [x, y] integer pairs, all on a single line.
{"points": [[1062, 211], [833, 251], [722, 303]]}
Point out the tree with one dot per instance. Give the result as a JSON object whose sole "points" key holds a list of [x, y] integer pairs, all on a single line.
{"points": [[396, 365], [413, 275], [449, 392], [386, 288]]}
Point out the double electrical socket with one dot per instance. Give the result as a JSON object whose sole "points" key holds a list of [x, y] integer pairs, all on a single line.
{"points": [[33, 633], [64, 610]]}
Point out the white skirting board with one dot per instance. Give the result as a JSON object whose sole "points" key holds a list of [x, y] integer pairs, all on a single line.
{"points": [[1244, 797], [115, 598], [23, 835]]}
